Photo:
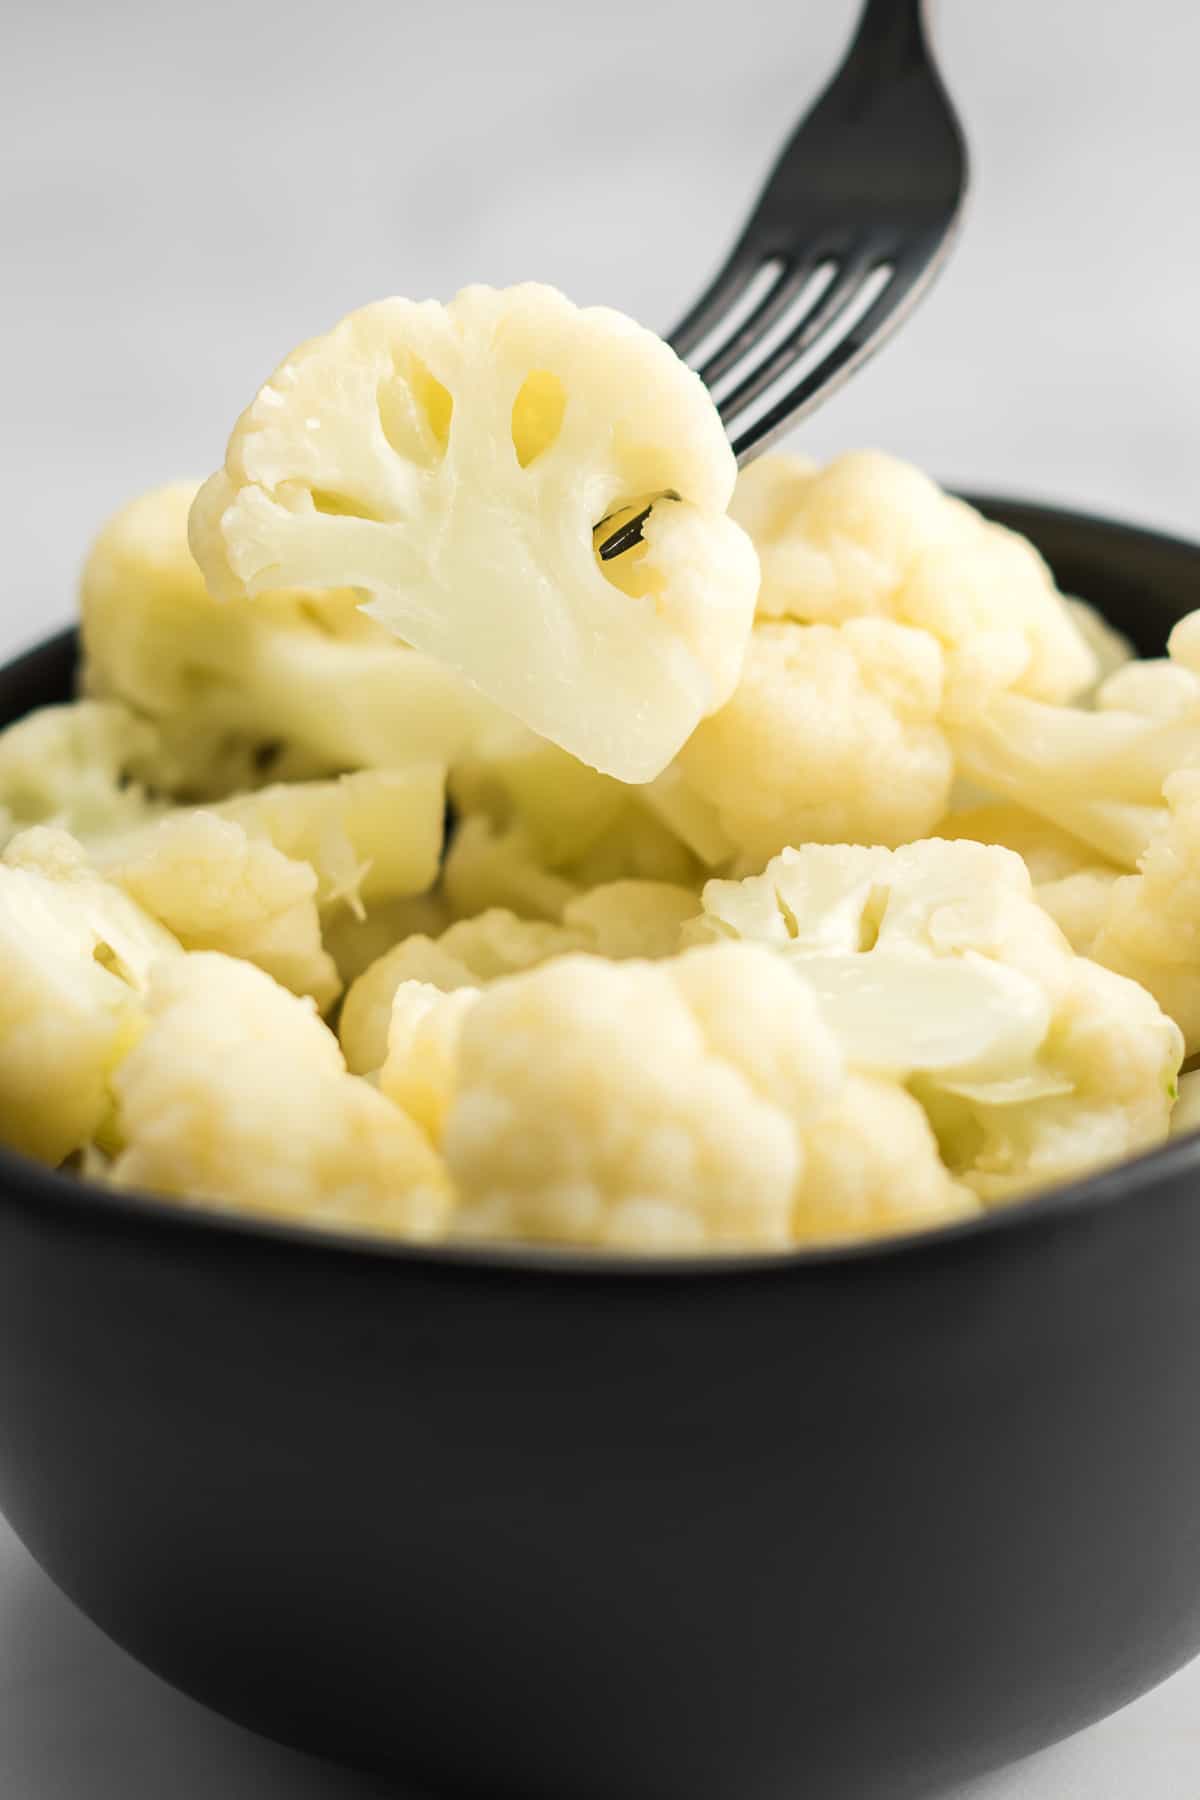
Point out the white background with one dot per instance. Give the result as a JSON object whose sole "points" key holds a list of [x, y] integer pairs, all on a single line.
{"points": [[186, 194]]}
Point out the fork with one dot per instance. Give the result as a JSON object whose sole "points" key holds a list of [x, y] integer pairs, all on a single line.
{"points": [[855, 220]]}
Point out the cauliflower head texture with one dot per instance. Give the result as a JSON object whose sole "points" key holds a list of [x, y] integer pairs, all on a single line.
{"points": [[934, 963], [832, 736], [1146, 925], [299, 685], [461, 465], [76, 956], [871, 536], [214, 887], [1097, 772], [693, 1104], [237, 1097], [620, 920], [73, 766]]}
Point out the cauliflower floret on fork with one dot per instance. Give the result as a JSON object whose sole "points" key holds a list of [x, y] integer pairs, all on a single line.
{"points": [[464, 466]]}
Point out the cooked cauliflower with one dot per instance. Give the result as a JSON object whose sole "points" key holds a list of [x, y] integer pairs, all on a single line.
{"points": [[462, 466], [372, 836], [297, 686], [217, 888], [72, 766], [935, 964], [1096, 772], [832, 736], [237, 1097], [693, 1104], [546, 1031], [255, 875], [620, 920], [870, 536], [75, 960], [1147, 925]]}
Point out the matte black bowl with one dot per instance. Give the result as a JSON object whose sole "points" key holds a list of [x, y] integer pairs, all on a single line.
{"points": [[847, 1525]]}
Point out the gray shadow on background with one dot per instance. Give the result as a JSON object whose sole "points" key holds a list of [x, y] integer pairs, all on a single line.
{"points": [[82, 1719]]}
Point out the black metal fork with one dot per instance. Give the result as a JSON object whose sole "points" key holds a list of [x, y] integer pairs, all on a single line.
{"points": [[855, 221], [853, 224]]}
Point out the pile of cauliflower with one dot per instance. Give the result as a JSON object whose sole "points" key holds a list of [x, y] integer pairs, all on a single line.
{"points": [[804, 869]]}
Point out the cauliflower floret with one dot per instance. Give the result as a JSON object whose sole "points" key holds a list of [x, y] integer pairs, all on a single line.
{"points": [[694, 1104], [217, 888], [72, 766], [369, 837], [1096, 772], [468, 954], [831, 736], [870, 535], [372, 836], [75, 960], [237, 1097], [296, 686], [1147, 925], [620, 920], [934, 963], [252, 876], [1072, 882], [463, 465]]}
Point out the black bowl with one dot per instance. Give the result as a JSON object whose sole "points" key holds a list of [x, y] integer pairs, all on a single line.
{"points": [[849, 1524]]}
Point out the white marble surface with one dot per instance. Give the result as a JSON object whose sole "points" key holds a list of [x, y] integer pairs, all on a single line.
{"points": [[184, 193]]}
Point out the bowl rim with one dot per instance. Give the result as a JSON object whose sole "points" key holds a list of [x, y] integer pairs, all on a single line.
{"points": [[75, 1199]]}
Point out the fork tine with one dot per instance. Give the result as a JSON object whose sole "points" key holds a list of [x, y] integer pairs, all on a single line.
{"points": [[722, 293], [790, 281], [864, 336], [823, 312]]}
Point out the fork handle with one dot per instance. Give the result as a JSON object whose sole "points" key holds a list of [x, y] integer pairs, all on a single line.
{"points": [[890, 34]]}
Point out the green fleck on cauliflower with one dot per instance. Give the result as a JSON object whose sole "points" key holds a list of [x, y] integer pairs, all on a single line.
{"points": [[934, 963], [237, 1097], [76, 957]]}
